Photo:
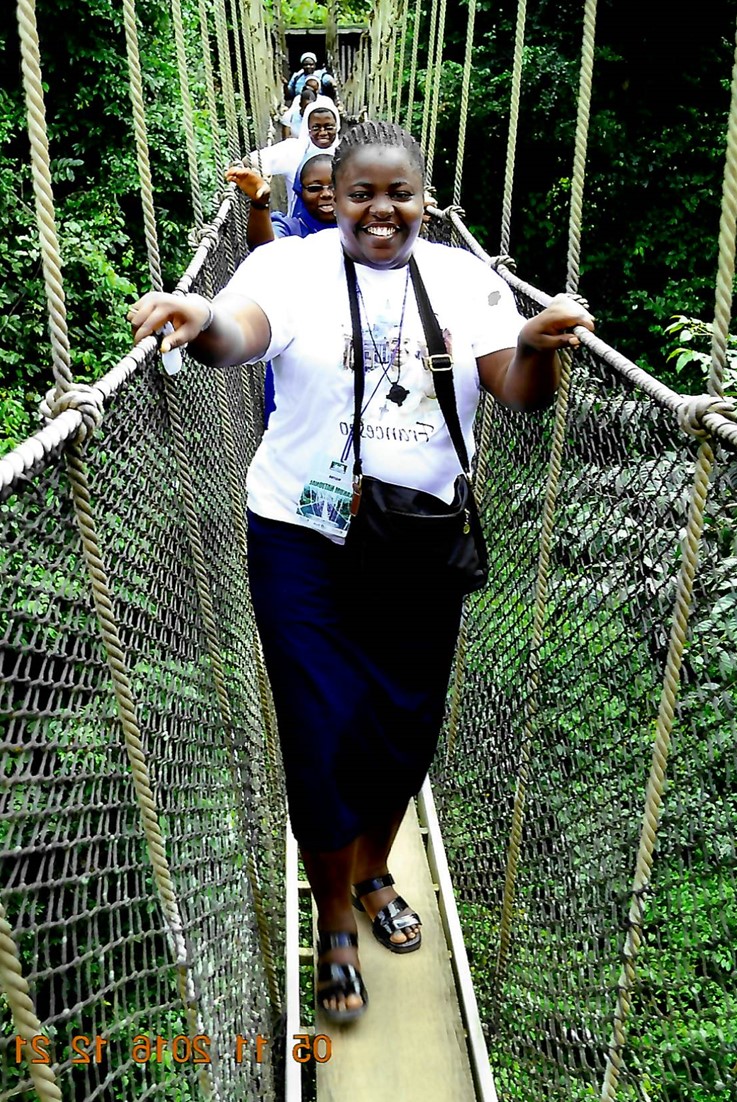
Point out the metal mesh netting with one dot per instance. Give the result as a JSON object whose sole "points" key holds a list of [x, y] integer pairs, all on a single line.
{"points": [[77, 886], [622, 507]]}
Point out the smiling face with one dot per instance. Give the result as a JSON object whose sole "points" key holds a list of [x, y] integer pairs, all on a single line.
{"points": [[308, 65], [317, 189], [379, 205], [323, 128]]}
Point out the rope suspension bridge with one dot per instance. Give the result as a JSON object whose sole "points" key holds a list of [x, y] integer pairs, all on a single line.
{"points": [[155, 936]]}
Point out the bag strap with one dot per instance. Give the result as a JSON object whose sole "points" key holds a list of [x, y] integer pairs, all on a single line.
{"points": [[359, 379], [438, 361]]}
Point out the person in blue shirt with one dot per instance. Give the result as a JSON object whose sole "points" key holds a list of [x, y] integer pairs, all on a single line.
{"points": [[297, 81], [314, 208], [313, 211]]}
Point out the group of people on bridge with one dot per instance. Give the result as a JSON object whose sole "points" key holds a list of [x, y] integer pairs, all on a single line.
{"points": [[359, 704]]}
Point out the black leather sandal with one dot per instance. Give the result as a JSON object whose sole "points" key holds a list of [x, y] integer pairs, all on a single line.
{"points": [[389, 919], [338, 981]]}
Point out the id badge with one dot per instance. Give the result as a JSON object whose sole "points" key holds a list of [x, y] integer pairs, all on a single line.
{"points": [[325, 501]]}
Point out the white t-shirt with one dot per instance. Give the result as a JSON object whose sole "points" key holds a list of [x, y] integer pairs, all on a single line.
{"points": [[311, 352]]}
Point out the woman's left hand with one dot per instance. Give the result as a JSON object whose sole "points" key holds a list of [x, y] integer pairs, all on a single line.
{"points": [[250, 182], [550, 330]]}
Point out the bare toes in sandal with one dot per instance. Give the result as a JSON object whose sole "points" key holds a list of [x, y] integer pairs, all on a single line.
{"points": [[340, 987], [395, 925]]}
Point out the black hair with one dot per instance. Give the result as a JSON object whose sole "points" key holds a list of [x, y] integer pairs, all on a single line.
{"points": [[377, 132], [307, 95], [311, 160]]}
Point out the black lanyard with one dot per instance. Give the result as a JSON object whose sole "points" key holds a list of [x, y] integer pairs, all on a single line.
{"points": [[437, 360]]}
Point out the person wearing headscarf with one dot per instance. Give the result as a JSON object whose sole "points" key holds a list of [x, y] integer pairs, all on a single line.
{"points": [[317, 134], [297, 81], [314, 207], [314, 210]]}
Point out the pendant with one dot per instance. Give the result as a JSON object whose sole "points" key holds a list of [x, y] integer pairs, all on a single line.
{"points": [[397, 393]]}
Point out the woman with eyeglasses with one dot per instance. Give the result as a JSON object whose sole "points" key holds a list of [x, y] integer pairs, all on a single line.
{"points": [[314, 211], [318, 134]]}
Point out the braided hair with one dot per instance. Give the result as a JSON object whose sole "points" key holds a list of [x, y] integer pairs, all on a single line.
{"points": [[377, 132]]}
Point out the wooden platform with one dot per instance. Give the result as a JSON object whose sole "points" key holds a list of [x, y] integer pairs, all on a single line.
{"points": [[410, 1044]]}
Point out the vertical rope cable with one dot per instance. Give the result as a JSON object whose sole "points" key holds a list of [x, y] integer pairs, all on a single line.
{"points": [[437, 78], [679, 628], [548, 517], [400, 66], [212, 108], [187, 113], [118, 666], [43, 192], [427, 91], [391, 86], [519, 47], [579, 156], [141, 137], [465, 87], [413, 64], [256, 69], [226, 80], [280, 46], [374, 69], [480, 474], [238, 41], [22, 1012]]}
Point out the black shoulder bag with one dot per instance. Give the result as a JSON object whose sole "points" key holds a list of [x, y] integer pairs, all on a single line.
{"points": [[395, 527]]}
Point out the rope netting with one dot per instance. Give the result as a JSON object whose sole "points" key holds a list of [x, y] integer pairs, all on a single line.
{"points": [[142, 819], [623, 507]]}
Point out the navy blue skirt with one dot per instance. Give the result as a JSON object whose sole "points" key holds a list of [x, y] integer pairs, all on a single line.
{"points": [[359, 670]]}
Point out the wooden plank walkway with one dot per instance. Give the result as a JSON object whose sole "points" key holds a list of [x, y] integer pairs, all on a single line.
{"points": [[410, 1044]]}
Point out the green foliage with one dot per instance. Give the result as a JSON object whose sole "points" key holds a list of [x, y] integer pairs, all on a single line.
{"points": [[312, 13], [655, 156], [96, 190], [691, 359]]}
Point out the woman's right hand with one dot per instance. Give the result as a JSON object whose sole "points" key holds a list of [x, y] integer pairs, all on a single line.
{"points": [[189, 314]]}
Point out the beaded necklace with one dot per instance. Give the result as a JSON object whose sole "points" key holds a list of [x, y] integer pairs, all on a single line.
{"points": [[396, 392]]}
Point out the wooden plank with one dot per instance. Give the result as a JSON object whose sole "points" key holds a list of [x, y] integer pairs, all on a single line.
{"points": [[293, 1071], [410, 1044], [436, 859]]}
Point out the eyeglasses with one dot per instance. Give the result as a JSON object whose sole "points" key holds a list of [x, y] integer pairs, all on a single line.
{"points": [[328, 129], [316, 189]]}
